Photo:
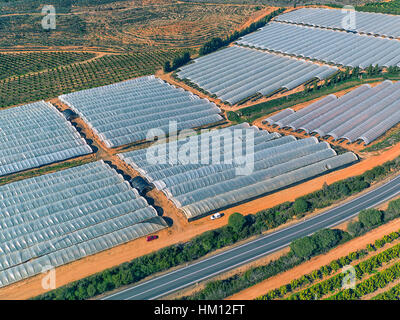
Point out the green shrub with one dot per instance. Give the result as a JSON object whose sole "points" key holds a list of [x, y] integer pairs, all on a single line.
{"points": [[355, 228], [300, 206], [370, 217], [304, 247], [237, 222], [327, 239]]}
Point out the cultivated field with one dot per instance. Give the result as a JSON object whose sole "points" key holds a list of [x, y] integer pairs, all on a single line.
{"points": [[99, 71], [376, 269], [121, 25]]}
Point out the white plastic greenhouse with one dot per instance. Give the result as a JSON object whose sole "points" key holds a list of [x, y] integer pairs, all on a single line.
{"points": [[235, 73], [124, 112], [36, 134], [337, 47], [362, 114], [54, 219], [202, 188], [365, 22]]}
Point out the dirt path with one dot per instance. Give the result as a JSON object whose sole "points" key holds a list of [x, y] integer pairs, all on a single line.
{"points": [[316, 263]]}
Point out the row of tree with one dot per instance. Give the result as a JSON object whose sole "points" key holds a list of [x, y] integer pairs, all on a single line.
{"points": [[370, 285], [178, 62], [391, 294], [373, 218]]}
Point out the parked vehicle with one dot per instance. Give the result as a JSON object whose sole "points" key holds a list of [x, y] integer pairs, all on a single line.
{"points": [[151, 238]]}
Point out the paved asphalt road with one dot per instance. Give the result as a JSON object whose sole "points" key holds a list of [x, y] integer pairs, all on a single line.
{"points": [[264, 245]]}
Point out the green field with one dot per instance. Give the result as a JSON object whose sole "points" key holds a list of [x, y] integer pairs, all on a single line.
{"points": [[68, 78], [391, 7], [22, 63]]}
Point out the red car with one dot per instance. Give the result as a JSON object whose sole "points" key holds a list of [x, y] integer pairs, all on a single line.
{"points": [[150, 238]]}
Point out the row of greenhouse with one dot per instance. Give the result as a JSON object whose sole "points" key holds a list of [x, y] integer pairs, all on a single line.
{"points": [[365, 113]]}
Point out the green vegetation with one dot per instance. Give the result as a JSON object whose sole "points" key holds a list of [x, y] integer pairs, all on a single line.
{"points": [[315, 244], [237, 222], [217, 43], [370, 217], [300, 250], [14, 64], [178, 62], [64, 79], [320, 241], [390, 7], [325, 271], [300, 206], [370, 285], [239, 228], [392, 294], [387, 142]]}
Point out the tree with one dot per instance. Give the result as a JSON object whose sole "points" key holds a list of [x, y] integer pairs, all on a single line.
{"points": [[212, 45], [237, 222], [354, 228], [167, 66], [370, 217], [179, 61], [326, 238], [91, 290]]}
